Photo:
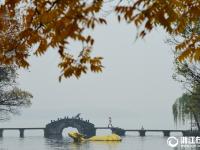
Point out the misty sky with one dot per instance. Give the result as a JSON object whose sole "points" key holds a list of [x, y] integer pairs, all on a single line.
{"points": [[136, 87]]}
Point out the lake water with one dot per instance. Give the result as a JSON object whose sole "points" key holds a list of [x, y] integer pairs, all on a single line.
{"points": [[130, 142]]}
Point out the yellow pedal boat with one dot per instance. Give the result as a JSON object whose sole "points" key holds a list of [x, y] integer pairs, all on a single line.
{"points": [[77, 137]]}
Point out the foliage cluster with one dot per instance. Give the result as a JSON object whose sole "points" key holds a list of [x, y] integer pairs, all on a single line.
{"points": [[12, 98], [57, 23]]}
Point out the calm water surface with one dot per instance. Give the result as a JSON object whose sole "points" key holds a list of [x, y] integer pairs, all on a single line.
{"points": [[128, 143]]}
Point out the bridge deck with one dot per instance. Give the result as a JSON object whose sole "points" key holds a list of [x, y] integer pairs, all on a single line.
{"points": [[128, 130], [22, 128], [149, 130]]}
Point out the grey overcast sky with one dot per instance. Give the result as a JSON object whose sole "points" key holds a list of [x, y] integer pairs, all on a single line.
{"points": [[136, 87]]}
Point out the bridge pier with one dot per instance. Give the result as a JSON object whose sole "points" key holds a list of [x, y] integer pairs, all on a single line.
{"points": [[45, 133], [118, 131], [21, 133], [142, 132], [89, 132], [1, 133], [166, 133]]}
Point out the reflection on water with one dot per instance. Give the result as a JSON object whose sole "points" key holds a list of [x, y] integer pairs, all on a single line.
{"points": [[62, 143], [128, 143], [67, 143], [109, 144], [187, 148]]}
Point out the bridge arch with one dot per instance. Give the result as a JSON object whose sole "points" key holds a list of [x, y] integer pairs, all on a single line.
{"points": [[66, 131], [55, 128]]}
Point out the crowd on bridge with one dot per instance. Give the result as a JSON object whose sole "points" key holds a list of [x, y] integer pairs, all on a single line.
{"points": [[66, 117]]}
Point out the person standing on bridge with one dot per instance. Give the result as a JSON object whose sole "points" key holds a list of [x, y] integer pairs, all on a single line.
{"points": [[110, 122]]}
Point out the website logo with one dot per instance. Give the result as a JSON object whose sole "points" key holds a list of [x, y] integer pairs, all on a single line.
{"points": [[172, 141], [189, 141]]}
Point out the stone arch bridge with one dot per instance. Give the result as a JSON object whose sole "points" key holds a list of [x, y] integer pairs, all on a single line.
{"points": [[55, 128]]}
